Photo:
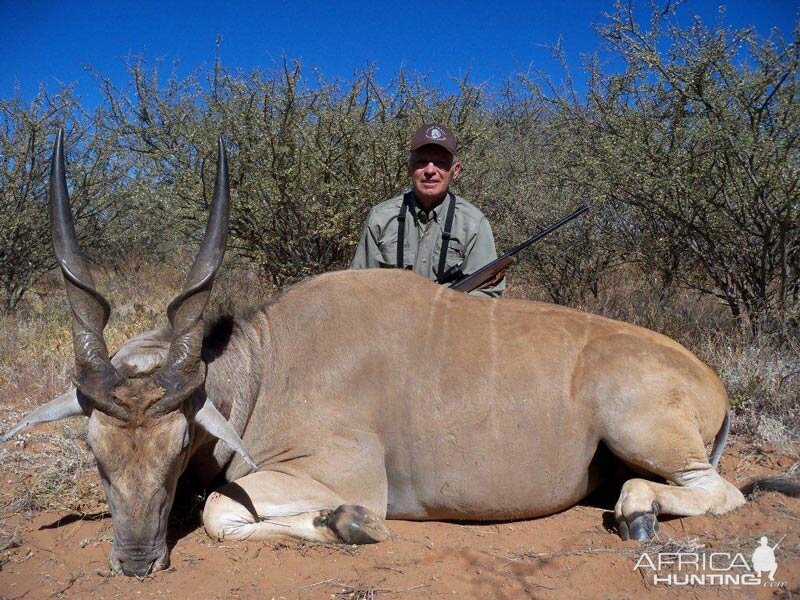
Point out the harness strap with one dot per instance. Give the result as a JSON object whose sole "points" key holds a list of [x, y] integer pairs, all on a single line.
{"points": [[446, 237], [401, 227]]}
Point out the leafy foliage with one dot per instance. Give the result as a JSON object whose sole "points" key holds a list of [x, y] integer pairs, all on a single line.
{"points": [[25, 145]]}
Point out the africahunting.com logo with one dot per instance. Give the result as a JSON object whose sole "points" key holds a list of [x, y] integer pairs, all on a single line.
{"points": [[692, 567]]}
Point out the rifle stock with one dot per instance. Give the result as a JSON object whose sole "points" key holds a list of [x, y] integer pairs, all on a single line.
{"points": [[483, 275]]}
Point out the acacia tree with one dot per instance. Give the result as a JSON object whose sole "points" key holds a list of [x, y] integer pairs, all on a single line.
{"points": [[699, 138], [26, 136]]}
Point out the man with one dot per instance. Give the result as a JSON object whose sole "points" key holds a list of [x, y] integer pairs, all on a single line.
{"points": [[429, 229]]}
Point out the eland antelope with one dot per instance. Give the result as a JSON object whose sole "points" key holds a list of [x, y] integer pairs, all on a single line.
{"points": [[357, 396]]}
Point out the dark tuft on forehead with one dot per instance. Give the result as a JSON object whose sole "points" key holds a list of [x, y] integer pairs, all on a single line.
{"points": [[218, 332]]}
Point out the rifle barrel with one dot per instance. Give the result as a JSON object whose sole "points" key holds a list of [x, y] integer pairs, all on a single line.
{"points": [[779, 542], [473, 281], [535, 238]]}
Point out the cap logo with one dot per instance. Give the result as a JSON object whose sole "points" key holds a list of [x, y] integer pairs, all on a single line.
{"points": [[434, 133]]}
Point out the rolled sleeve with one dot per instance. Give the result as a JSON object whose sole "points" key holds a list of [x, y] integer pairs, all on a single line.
{"points": [[367, 252]]}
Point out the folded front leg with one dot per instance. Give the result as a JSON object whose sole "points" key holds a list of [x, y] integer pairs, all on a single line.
{"points": [[271, 505]]}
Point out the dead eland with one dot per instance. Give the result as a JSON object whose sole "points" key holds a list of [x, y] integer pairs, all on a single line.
{"points": [[357, 396]]}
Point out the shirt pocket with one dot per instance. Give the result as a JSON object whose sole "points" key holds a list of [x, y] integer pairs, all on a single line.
{"points": [[388, 251], [455, 252]]}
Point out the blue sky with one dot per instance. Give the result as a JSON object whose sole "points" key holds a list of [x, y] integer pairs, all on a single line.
{"points": [[46, 42]]}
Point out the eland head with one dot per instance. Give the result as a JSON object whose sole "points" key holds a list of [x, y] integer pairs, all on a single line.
{"points": [[142, 420]]}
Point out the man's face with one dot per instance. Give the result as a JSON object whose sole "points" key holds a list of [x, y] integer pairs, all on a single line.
{"points": [[432, 168]]}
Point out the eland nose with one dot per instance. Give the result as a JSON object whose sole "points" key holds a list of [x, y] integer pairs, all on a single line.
{"points": [[139, 564], [136, 567]]}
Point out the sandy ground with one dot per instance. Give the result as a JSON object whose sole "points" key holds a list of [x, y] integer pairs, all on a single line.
{"points": [[573, 554]]}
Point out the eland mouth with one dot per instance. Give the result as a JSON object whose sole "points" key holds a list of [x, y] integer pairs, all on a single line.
{"points": [[135, 563]]}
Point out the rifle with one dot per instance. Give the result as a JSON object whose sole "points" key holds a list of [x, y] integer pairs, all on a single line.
{"points": [[467, 283]]}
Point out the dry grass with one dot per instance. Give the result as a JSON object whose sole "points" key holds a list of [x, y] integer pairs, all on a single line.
{"points": [[36, 347], [9, 538], [52, 472]]}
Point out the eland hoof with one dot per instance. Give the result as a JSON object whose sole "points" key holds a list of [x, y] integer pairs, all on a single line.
{"points": [[640, 526], [357, 525]]}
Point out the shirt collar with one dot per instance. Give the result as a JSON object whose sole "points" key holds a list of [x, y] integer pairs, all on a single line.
{"points": [[436, 214]]}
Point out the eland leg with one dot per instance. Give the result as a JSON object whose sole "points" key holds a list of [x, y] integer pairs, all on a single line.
{"points": [[671, 448], [271, 505]]}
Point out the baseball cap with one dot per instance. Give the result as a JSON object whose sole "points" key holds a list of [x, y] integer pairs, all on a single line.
{"points": [[436, 134]]}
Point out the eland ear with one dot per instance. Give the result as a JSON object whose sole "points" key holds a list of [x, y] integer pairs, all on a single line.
{"points": [[55, 410], [211, 420]]}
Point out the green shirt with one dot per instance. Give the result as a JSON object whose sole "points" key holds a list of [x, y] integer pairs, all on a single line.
{"points": [[471, 245]]}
